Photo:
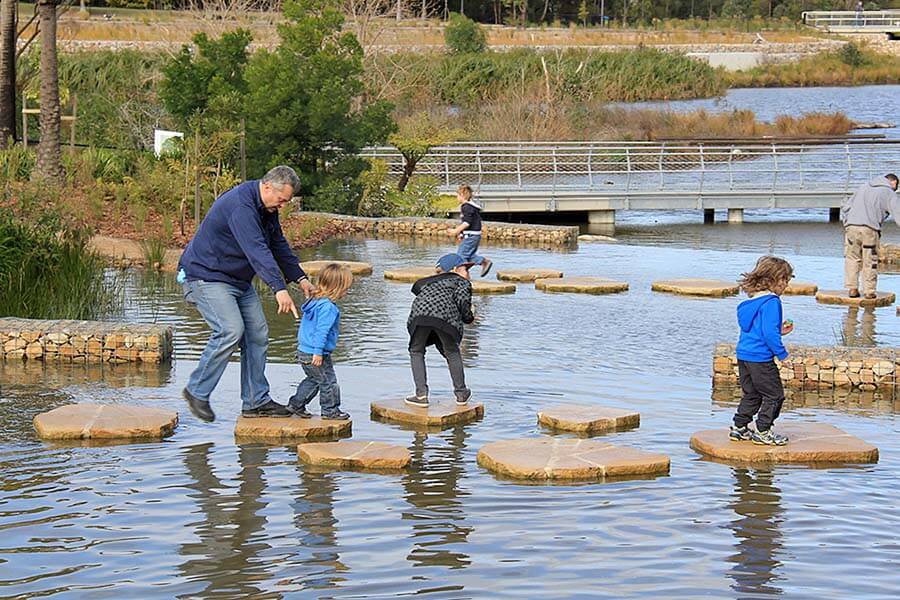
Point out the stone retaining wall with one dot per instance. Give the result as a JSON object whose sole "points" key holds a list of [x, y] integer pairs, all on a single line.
{"points": [[889, 254], [84, 341], [437, 228], [815, 367]]}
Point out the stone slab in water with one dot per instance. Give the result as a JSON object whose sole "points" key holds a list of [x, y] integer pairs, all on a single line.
{"points": [[314, 267], [586, 418], [409, 274], [354, 455], [480, 286], [581, 285], [568, 459], [801, 288], [438, 414], [697, 287], [843, 297], [587, 237], [272, 428], [105, 422], [527, 275], [808, 443]]}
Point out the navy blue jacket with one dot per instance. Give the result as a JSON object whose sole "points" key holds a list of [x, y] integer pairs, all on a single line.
{"points": [[238, 239], [760, 321]]}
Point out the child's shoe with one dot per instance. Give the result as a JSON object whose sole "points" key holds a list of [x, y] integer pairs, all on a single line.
{"points": [[337, 415], [299, 411], [740, 434], [768, 438], [416, 400], [463, 397], [486, 265]]}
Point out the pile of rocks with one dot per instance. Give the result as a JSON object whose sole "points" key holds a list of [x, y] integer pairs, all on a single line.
{"points": [[84, 341], [813, 367]]}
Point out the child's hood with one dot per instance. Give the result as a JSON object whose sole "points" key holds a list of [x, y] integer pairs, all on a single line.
{"points": [[748, 309], [315, 305]]}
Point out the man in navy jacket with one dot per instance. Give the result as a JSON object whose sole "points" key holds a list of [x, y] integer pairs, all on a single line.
{"points": [[240, 237]]}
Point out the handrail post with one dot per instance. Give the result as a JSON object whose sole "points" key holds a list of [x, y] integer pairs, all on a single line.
{"points": [[702, 172], [555, 167], [447, 167], [519, 166], [662, 149], [589, 169], [774, 167], [627, 170], [480, 169], [848, 183]]}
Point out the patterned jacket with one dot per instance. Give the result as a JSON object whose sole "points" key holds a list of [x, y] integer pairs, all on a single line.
{"points": [[443, 301]]}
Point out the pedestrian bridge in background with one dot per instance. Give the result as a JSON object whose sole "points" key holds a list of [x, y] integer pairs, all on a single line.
{"points": [[850, 21], [597, 179]]}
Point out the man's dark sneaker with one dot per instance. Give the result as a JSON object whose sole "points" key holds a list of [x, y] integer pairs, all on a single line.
{"points": [[417, 400], [853, 293], [337, 415], [269, 409], [486, 265], [740, 434], [768, 438], [299, 411], [463, 397], [200, 408]]}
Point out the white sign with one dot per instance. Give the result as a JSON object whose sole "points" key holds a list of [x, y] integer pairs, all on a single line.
{"points": [[162, 140]]}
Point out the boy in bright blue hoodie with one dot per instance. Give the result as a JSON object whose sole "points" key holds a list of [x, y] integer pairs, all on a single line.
{"points": [[760, 319], [316, 340]]}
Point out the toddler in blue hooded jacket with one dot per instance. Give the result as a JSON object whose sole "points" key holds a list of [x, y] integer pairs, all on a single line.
{"points": [[316, 340], [762, 325]]}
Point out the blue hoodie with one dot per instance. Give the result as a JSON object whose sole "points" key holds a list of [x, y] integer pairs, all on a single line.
{"points": [[319, 328], [760, 319]]}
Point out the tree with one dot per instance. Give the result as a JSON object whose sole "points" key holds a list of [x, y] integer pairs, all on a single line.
{"points": [[49, 161], [416, 136], [7, 71], [464, 36]]}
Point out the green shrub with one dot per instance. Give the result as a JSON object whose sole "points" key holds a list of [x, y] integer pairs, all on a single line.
{"points": [[16, 164], [380, 199], [851, 55], [464, 36]]}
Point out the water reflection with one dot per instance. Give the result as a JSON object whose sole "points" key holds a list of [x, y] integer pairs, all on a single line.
{"points": [[756, 502], [846, 400], [859, 327], [56, 375]]}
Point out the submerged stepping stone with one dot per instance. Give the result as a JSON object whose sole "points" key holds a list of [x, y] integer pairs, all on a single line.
{"points": [[314, 267], [105, 422], [527, 275], [562, 458], [585, 418], [272, 428], [480, 286], [409, 274], [808, 443], [354, 455], [801, 288], [697, 287], [438, 414], [581, 285], [842, 297]]}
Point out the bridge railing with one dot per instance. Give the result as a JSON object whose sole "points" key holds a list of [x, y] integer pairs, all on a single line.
{"points": [[877, 20], [626, 168]]}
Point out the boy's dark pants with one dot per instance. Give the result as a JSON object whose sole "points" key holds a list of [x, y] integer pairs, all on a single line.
{"points": [[319, 380], [423, 337], [762, 392]]}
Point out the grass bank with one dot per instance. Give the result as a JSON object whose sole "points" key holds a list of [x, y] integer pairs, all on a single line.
{"points": [[852, 65]]}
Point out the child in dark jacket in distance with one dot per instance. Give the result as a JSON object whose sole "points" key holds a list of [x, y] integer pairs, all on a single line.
{"points": [[760, 320], [316, 340], [443, 305]]}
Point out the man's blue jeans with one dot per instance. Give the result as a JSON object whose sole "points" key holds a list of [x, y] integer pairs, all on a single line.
{"points": [[319, 380], [237, 320]]}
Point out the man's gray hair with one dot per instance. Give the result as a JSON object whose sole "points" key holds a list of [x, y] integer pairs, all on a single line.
{"points": [[281, 176]]}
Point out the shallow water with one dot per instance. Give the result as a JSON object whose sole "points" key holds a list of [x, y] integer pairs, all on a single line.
{"points": [[201, 516]]}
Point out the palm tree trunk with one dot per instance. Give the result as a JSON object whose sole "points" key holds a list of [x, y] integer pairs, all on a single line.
{"points": [[49, 161], [7, 71]]}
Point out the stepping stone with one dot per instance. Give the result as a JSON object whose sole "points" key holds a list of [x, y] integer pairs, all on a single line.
{"points": [[105, 422], [272, 428], [808, 443], [438, 414], [562, 458], [354, 455], [581, 285], [409, 274], [588, 237], [585, 418], [479, 286], [314, 267], [842, 297], [527, 275], [801, 288], [697, 287]]}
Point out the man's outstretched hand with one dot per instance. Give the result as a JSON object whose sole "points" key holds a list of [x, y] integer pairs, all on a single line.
{"points": [[286, 303]]}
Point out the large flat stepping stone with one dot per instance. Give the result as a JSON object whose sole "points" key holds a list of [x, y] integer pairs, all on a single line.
{"points": [[354, 455], [105, 422], [314, 267], [480, 286], [527, 275], [842, 297], [585, 418], [409, 274], [272, 428], [697, 287], [581, 285], [559, 458], [801, 288], [438, 414], [808, 443]]}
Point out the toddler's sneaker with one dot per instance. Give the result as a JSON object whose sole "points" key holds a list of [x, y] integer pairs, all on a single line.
{"points": [[416, 400], [740, 434], [299, 411], [768, 438], [337, 415], [463, 397]]}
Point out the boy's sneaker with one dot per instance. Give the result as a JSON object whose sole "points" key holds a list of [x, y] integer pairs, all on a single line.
{"points": [[463, 397], [299, 411], [269, 409], [414, 400], [337, 415], [740, 434], [768, 438], [486, 265]]}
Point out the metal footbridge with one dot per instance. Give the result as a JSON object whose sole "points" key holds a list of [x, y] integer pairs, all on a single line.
{"points": [[850, 21]]}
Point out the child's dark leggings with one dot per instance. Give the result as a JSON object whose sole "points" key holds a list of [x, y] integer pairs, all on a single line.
{"points": [[762, 392], [423, 337]]}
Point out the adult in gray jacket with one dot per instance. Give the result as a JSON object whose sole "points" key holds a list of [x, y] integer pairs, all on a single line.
{"points": [[862, 214]]}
